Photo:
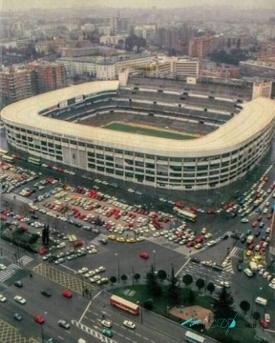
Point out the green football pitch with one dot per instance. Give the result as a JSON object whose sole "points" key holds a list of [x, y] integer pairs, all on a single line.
{"points": [[138, 129]]}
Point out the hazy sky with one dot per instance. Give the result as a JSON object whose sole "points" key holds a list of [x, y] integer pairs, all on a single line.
{"points": [[50, 4]]}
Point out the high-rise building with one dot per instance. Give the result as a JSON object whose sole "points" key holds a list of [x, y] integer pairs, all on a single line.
{"points": [[16, 84], [201, 46], [48, 76]]}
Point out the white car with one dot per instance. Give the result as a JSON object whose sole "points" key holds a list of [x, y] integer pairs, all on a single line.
{"points": [[273, 281], [265, 274], [210, 243], [244, 220], [83, 270], [107, 323], [267, 317], [225, 284], [95, 278], [129, 324], [20, 300], [272, 285], [2, 266], [2, 298], [248, 272], [100, 269]]}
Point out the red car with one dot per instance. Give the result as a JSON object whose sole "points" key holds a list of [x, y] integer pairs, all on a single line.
{"points": [[255, 223], [144, 255], [259, 218], [269, 216], [263, 323], [211, 211], [67, 294], [200, 239], [77, 243], [39, 319], [190, 244]]}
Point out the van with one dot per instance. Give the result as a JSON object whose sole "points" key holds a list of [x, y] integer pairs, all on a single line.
{"points": [[261, 301]]}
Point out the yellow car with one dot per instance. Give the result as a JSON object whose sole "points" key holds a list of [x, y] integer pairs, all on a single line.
{"points": [[204, 230], [130, 240], [198, 246], [248, 253], [113, 237], [120, 239]]}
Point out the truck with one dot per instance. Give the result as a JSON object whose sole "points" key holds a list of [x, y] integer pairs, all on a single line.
{"points": [[249, 239]]}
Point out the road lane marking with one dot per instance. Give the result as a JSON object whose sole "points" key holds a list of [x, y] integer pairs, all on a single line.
{"points": [[85, 311], [176, 274], [97, 295]]}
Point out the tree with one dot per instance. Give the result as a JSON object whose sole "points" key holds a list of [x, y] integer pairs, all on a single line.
{"points": [[137, 276], [200, 283], [187, 279], [223, 304], [256, 315], [211, 287], [173, 289], [162, 275], [148, 304], [113, 279], [151, 281], [191, 297], [124, 277], [245, 306]]}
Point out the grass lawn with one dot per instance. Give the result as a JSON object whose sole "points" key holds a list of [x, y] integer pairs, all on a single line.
{"points": [[138, 129], [137, 294]]}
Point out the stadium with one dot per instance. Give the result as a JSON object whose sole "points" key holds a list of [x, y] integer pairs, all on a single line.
{"points": [[169, 139]]}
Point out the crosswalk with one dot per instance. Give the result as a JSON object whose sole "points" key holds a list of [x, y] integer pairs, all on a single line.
{"points": [[8, 272], [24, 260], [199, 271]]}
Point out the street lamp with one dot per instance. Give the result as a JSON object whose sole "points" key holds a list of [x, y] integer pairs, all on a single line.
{"points": [[154, 252], [141, 313], [253, 300], [42, 333], [118, 268]]}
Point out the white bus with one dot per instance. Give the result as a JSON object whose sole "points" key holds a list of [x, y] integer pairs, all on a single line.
{"points": [[8, 159], [193, 337], [34, 160], [190, 216]]}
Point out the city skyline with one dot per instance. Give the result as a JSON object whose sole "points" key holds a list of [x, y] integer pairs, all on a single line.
{"points": [[14, 5]]}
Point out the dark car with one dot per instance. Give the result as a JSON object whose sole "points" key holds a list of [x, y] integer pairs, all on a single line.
{"points": [[17, 316], [195, 259], [225, 236], [239, 267], [18, 284], [103, 241], [34, 217], [46, 293]]}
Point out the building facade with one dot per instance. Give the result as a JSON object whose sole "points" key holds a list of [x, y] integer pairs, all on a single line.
{"points": [[209, 162]]}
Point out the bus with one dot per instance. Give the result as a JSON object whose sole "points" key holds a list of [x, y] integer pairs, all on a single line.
{"points": [[3, 152], [193, 337], [8, 159], [34, 160], [124, 305], [190, 216]]}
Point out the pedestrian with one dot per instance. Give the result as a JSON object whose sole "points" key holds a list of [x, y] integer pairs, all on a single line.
{"points": [[30, 275]]}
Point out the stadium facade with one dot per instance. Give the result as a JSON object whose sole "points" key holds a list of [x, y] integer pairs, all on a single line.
{"points": [[212, 161]]}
